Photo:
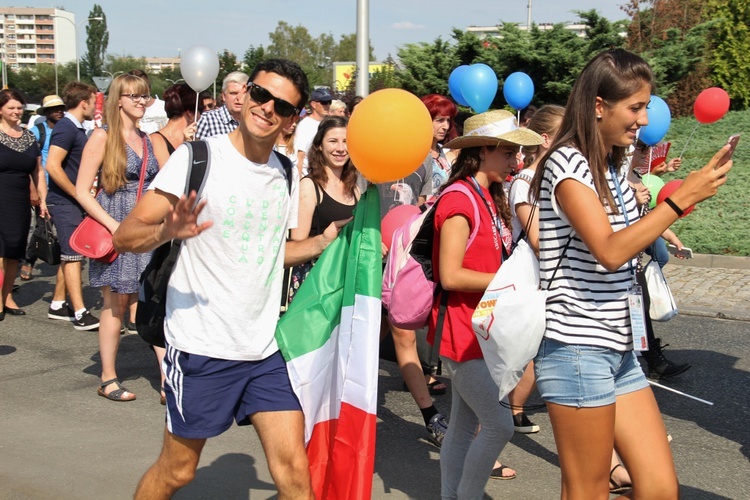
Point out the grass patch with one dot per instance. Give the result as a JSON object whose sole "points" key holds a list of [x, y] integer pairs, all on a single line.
{"points": [[720, 225]]}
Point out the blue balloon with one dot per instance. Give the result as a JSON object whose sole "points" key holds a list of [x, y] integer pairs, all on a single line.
{"points": [[659, 119], [479, 87], [518, 90], [454, 84]]}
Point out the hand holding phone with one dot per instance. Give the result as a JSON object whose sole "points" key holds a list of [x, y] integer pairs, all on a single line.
{"points": [[732, 141], [684, 252]]}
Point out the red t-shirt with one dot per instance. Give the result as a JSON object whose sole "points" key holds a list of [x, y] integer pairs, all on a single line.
{"points": [[459, 341]]}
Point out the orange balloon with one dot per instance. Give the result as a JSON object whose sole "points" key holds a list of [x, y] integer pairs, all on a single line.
{"points": [[389, 135]]}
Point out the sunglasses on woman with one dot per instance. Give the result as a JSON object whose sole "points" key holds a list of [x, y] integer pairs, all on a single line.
{"points": [[261, 96]]}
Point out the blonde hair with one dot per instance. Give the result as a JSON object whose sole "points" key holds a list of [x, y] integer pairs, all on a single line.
{"points": [[112, 175], [337, 105]]}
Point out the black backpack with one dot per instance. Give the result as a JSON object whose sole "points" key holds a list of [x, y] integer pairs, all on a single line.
{"points": [[152, 309], [42, 135]]}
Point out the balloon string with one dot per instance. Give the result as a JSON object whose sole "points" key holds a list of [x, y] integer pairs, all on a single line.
{"points": [[650, 159], [688, 141], [519, 118], [195, 115]]}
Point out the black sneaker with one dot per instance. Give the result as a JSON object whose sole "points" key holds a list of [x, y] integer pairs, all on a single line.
{"points": [[436, 429], [65, 313], [131, 328], [523, 425], [86, 323]]}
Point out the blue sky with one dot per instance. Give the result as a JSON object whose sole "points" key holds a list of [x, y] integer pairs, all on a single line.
{"points": [[158, 28]]}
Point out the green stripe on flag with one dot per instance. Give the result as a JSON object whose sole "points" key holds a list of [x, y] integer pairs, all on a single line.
{"points": [[351, 264]]}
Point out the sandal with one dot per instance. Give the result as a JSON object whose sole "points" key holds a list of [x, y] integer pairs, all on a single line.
{"points": [[118, 394], [614, 487], [497, 473], [434, 391], [26, 272]]}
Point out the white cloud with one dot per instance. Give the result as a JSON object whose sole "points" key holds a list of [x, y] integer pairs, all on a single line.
{"points": [[407, 25]]}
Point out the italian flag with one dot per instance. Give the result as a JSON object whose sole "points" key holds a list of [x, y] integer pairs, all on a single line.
{"points": [[330, 340]]}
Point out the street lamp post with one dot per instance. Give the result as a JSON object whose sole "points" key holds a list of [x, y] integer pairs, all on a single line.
{"points": [[78, 61]]}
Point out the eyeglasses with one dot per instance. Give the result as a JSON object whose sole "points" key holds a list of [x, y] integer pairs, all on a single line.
{"points": [[137, 97], [209, 106], [261, 96]]}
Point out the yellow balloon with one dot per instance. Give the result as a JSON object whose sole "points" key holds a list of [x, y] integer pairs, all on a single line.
{"points": [[389, 135]]}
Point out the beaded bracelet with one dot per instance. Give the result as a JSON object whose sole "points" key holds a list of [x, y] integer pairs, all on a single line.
{"points": [[674, 207]]}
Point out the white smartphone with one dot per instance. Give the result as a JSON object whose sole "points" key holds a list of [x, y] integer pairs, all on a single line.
{"points": [[685, 253], [732, 141]]}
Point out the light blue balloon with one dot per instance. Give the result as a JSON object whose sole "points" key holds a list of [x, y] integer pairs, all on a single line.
{"points": [[479, 87], [659, 119], [454, 84], [518, 90]]}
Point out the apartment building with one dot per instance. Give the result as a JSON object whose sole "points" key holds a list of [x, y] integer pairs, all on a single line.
{"points": [[31, 36]]}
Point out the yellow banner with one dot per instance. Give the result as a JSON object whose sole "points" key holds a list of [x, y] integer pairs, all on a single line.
{"points": [[344, 72]]}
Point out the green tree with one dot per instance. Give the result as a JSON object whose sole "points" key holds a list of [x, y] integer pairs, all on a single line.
{"points": [[227, 63], [97, 39], [346, 50], [252, 57], [314, 55], [730, 37], [425, 67]]}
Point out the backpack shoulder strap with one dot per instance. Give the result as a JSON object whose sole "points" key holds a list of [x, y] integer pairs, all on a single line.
{"points": [[199, 162], [461, 188], [287, 164], [42, 134]]}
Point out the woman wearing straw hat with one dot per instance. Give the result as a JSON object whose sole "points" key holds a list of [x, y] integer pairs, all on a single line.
{"points": [[488, 154]]}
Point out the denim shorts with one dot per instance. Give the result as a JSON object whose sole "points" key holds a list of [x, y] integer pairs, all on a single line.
{"points": [[585, 376]]}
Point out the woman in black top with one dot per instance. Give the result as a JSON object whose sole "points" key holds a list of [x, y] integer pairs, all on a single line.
{"points": [[329, 192], [20, 161], [179, 103]]}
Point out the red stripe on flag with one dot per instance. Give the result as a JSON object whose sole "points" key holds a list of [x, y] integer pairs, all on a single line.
{"points": [[342, 455]]}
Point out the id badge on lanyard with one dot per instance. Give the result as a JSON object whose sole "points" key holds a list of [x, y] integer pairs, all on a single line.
{"points": [[637, 318], [635, 293]]}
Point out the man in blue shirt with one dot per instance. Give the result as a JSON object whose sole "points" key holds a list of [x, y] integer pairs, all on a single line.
{"points": [[63, 160]]}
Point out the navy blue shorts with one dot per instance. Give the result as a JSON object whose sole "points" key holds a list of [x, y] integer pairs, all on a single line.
{"points": [[66, 217], [204, 394]]}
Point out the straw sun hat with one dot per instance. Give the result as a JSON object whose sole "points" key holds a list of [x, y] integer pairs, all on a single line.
{"points": [[494, 128]]}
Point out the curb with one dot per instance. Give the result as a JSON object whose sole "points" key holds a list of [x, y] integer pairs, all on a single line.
{"points": [[713, 261], [713, 313]]}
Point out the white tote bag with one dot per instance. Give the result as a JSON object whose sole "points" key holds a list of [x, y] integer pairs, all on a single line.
{"points": [[663, 307], [510, 319]]}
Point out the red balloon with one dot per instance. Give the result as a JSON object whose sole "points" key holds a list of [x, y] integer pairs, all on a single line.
{"points": [[668, 190], [394, 219], [711, 105]]}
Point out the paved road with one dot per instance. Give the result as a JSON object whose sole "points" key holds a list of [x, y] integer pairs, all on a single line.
{"points": [[59, 440]]}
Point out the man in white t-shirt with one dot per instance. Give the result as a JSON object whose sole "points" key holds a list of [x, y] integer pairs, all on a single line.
{"points": [[320, 104], [222, 306]]}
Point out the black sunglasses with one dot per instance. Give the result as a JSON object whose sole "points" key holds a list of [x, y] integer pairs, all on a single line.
{"points": [[261, 96]]}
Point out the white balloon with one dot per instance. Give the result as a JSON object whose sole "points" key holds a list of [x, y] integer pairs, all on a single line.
{"points": [[199, 66]]}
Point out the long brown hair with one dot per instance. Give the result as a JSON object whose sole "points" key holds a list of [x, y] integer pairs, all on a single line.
{"points": [[467, 165], [612, 75], [112, 176], [316, 162]]}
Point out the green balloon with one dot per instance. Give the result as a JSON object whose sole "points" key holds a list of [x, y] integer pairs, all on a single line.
{"points": [[654, 185]]}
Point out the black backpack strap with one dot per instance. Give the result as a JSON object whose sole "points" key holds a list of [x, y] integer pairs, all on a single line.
{"points": [[199, 162], [287, 164], [42, 134]]}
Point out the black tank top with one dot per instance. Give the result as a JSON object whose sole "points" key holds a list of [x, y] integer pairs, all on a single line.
{"points": [[328, 210], [170, 148]]}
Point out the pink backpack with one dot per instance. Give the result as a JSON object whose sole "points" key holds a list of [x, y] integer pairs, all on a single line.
{"points": [[408, 286]]}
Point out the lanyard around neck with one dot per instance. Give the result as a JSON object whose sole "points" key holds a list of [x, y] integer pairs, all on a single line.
{"points": [[623, 208], [496, 226]]}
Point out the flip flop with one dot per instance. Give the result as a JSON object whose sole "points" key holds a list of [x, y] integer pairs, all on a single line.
{"points": [[615, 488], [436, 391], [497, 473]]}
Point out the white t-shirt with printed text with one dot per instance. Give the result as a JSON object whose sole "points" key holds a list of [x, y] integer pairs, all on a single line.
{"points": [[223, 296]]}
